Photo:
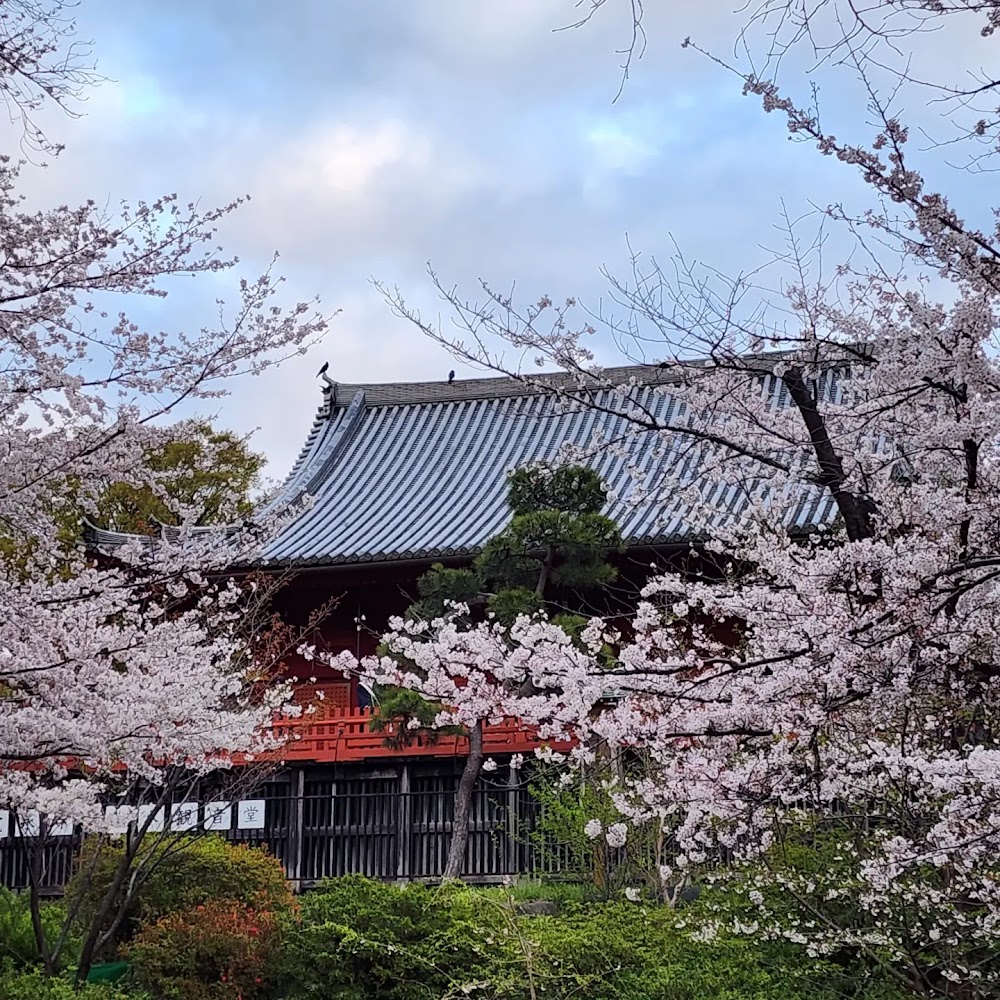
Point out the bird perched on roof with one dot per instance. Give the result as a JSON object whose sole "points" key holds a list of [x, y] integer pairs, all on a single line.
{"points": [[451, 377], [322, 371]]}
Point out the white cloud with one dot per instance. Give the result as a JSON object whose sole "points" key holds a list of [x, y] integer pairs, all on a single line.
{"points": [[616, 148], [344, 161], [373, 137], [355, 186]]}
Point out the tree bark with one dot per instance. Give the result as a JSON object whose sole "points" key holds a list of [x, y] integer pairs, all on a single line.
{"points": [[463, 803], [857, 511], [544, 572], [35, 905], [108, 903]]}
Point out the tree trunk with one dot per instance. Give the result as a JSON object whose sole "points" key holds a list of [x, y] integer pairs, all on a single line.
{"points": [[545, 572], [857, 511], [463, 803], [111, 899], [35, 905]]}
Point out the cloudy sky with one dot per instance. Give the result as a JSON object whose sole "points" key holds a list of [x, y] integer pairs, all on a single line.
{"points": [[377, 135]]}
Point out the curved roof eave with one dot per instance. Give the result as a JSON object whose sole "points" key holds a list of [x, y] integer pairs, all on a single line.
{"points": [[415, 472]]}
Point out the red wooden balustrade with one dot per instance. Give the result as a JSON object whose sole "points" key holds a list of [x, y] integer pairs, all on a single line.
{"points": [[330, 731], [348, 736]]}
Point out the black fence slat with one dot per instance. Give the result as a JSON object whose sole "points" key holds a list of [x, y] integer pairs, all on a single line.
{"points": [[395, 825]]}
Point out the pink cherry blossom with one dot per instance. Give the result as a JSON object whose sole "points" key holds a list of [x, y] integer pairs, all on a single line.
{"points": [[114, 671]]}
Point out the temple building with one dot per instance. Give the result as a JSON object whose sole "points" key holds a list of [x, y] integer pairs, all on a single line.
{"points": [[401, 476]]}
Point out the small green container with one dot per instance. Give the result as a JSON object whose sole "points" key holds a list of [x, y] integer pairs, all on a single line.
{"points": [[107, 972]]}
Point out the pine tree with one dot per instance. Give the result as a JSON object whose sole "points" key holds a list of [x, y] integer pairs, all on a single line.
{"points": [[556, 545]]}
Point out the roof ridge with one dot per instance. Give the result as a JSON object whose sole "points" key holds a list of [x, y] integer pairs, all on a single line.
{"points": [[503, 386], [338, 395]]}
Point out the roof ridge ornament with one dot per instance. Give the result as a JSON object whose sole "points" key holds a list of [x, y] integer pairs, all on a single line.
{"points": [[329, 391]]}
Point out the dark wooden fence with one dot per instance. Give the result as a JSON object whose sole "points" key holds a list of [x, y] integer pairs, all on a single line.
{"points": [[394, 826]]}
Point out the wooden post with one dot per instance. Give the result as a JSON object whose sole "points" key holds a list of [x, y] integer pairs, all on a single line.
{"points": [[404, 824], [295, 824]]}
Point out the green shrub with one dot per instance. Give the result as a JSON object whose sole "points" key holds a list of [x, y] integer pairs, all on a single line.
{"points": [[357, 939], [222, 950], [17, 935], [360, 939], [182, 873], [33, 985], [621, 951], [559, 832], [555, 890]]}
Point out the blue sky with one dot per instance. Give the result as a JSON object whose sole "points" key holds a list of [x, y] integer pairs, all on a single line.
{"points": [[376, 135]]}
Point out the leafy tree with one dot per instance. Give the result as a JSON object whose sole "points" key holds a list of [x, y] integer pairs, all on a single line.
{"points": [[196, 476], [557, 541], [202, 476]]}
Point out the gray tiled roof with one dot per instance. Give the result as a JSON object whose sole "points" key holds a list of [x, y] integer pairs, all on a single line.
{"points": [[418, 471]]}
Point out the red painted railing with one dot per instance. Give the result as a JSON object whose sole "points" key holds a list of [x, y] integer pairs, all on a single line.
{"points": [[348, 736]]}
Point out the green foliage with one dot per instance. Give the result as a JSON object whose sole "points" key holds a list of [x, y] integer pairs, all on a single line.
{"points": [[556, 891], [34, 985], [511, 602], [573, 489], [397, 706], [551, 546], [565, 811], [620, 951], [359, 939], [362, 939], [221, 950], [182, 873], [556, 537], [16, 550], [441, 585], [17, 936], [201, 474], [208, 474], [504, 564]]}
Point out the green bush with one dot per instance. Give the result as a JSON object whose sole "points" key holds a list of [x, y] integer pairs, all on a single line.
{"points": [[621, 951], [559, 833], [182, 874], [33, 985], [222, 950], [17, 936], [556, 891], [360, 939]]}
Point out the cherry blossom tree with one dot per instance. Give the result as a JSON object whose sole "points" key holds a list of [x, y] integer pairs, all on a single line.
{"points": [[444, 667], [836, 446], [126, 794], [477, 676], [135, 670], [44, 63]]}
